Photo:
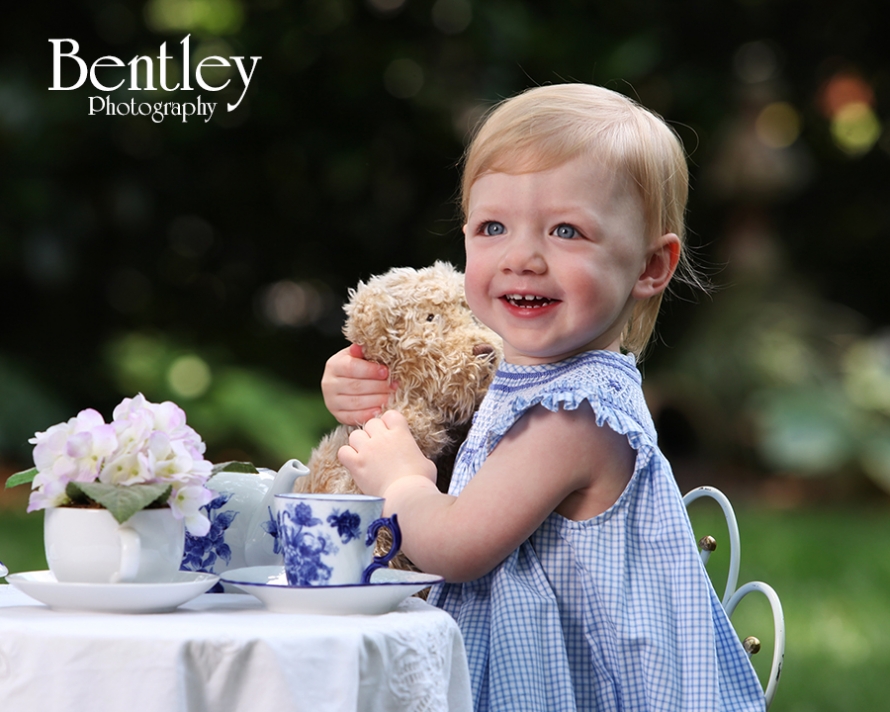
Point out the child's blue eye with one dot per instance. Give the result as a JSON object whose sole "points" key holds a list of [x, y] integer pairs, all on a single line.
{"points": [[493, 228], [565, 231]]}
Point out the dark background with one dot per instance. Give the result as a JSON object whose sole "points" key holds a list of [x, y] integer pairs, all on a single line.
{"points": [[208, 262]]}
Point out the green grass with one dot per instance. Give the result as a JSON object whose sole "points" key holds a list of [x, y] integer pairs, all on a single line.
{"points": [[21, 540], [831, 568]]}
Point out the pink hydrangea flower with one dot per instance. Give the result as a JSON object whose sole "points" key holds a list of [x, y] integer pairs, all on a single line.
{"points": [[145, 443], [73, 451], [186, 504]]}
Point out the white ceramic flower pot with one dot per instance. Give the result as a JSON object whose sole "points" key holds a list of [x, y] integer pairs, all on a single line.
{"points": [[89, 546]]}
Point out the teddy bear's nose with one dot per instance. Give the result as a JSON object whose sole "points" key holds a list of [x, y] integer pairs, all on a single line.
{"points": [[483, 349]]}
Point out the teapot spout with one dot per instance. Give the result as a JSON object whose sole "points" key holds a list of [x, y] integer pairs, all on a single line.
{"points": [[287, 475], [283, 482]]}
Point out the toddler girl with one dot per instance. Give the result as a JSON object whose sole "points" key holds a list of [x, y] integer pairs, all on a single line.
{"points": [[569, 561]]}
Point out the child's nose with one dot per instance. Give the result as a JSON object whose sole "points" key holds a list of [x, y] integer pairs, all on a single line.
{"points": [[524, 254]]}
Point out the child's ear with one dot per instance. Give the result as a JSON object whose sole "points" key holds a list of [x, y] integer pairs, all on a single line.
{"points": [[661, 263]]}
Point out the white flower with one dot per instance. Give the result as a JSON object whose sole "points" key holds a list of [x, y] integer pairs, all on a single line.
{"points": [[126, 469], [133, 430], [48, 492], [74, 450], [169, 417], [145, 443], [186, 504]]}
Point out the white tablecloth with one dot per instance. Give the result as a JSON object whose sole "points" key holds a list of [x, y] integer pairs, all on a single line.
{"points": [[225, 652]]}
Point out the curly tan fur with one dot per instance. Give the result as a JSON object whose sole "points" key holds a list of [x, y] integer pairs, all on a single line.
{"points": [[418, 324]]}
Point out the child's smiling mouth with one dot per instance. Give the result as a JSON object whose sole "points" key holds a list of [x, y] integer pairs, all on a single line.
{"points": [[528, 301]]}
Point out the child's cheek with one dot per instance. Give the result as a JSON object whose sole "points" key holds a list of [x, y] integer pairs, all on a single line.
{"points": [[473, 287]]}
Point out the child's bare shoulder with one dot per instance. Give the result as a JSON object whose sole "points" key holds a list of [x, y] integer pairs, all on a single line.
{"points": [[565, 438], [594, 461]]}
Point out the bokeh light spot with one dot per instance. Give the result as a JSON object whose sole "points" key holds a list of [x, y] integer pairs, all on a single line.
{"points": [[403, 78], [756, 62], [452, 16], [855, 128], [844, 88], [386, 6], [215, 17], [778, 124], [866, 370], [189, 376], [293, 304]]}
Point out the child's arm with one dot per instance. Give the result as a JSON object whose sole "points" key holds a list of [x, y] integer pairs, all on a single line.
{"points": [[354, 390], [547, 462]]}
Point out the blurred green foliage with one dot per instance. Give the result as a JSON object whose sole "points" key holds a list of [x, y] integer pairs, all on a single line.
{"points": [[207, 261], [831, 569], [26, 406], [242, 414], [773, 375]]}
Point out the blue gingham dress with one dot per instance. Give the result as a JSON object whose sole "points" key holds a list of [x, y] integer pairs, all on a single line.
{"points": [[612, 613]]}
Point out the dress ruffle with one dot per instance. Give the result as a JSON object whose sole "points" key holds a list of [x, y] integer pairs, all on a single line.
{"points": [[612, 613], [609, 382]]}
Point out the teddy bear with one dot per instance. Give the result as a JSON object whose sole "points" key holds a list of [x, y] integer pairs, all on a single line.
{"points": [[418, 324]]}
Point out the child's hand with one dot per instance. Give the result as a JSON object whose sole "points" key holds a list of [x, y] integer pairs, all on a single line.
{"points": [[383, 452], [354, 390]]}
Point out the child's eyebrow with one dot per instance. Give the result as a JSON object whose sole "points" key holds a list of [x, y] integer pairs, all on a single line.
{"points": [[487, 211], [575, 212]]}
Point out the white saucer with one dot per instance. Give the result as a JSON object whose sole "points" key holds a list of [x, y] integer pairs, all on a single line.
{"points": [[113, 597], [388, 588]]}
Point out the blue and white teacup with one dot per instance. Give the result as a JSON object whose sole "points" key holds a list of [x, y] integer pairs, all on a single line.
{"points": [[329, 539]]}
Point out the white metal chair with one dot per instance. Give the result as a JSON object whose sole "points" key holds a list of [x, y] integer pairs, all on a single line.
{"points": [[733, 595]]}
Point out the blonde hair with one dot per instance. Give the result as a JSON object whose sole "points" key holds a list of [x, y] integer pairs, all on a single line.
{"points": [[544, 127]]}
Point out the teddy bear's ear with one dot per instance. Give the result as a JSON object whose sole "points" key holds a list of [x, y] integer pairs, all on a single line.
{"points": [[372, 317], [349, 308], [446, 268]]}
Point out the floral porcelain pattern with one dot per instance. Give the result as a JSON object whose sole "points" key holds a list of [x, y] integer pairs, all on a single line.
{"points": [[212, 553], [304, 549], [310, 543], [270, 526], [202, 552], [347, 524]]}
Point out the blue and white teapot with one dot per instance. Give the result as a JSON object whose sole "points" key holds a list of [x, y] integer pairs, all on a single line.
{"points": [[243, 529]]}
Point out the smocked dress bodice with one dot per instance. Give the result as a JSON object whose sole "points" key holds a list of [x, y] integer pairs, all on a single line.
{"points": [[611, 613]]}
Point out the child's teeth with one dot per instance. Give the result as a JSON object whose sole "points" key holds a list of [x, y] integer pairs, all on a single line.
{"points": [[535, 301]]}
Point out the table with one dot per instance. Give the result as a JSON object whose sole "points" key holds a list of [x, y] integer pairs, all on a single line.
{"points": [[225, 652]]}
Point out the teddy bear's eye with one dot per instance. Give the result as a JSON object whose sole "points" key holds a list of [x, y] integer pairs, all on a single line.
{"points": [[430, 317]]}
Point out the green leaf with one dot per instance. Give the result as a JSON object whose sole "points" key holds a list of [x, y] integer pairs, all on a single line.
{"points": [[233, 466], [76, 494], [123, 501], [23, 477]]}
